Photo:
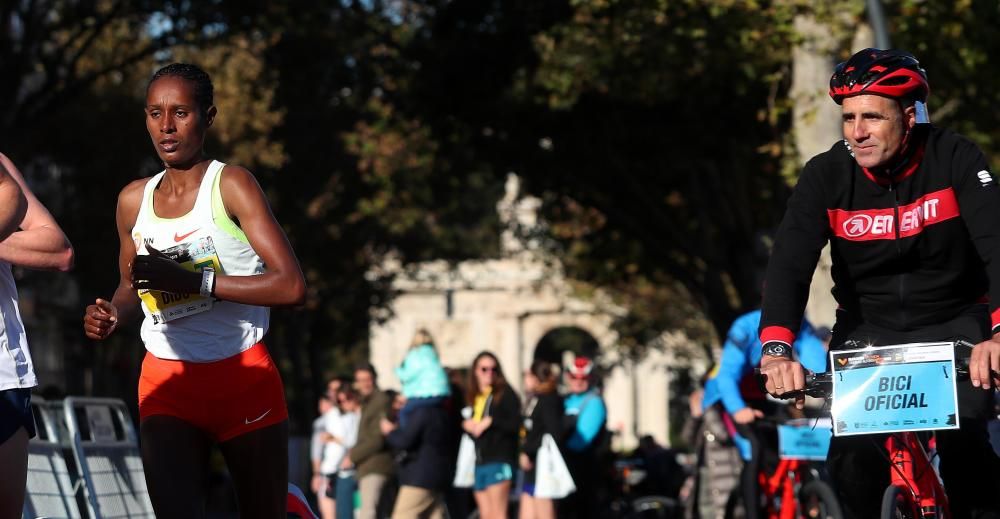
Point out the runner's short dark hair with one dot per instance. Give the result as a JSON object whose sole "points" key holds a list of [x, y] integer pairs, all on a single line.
{"points": [[204, 92]]}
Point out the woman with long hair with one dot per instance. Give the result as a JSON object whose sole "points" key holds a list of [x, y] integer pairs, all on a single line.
{"points": [[543, 414], [493, 425]]}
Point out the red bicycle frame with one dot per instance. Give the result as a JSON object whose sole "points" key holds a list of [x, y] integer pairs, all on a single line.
{"points": [[914, 474], [784, 480]]}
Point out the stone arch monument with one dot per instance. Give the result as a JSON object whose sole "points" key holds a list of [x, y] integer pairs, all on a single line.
{"points": [[507, 306]]}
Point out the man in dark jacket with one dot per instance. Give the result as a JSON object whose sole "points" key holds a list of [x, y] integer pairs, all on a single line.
{"points": [[425, 452], [910, 212], [370, 455]]}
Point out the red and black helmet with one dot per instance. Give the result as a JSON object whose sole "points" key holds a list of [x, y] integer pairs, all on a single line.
{"points": [[890, 73]]}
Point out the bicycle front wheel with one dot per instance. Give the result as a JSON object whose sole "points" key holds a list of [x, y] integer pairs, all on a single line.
{"points": [[896, 504], [818, 501]]}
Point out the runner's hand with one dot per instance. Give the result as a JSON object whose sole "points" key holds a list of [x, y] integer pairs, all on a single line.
{"points": [[782, 376], [155, 271], [747, 415], [100, 320], [985, 358]]}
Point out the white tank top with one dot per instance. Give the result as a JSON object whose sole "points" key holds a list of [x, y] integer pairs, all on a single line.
{"points": [[16, 370], [187, 326]]}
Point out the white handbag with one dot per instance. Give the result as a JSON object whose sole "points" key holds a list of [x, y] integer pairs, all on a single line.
{"points": [[465, 467], [552, 478]]}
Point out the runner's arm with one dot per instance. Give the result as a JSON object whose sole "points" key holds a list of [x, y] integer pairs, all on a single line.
{"points": [[282, 283], [102, 318], [12, 204], [40, 243]]}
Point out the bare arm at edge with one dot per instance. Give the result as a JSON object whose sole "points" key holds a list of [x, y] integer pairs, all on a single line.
{"points": [[39, 243], [12, 204]]}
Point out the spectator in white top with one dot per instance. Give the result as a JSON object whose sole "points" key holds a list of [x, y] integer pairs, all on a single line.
{"points": [[341, 434], [320, 480]]}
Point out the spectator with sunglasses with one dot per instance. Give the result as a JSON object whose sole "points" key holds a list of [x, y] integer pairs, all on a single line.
{"points": [[494, 426]]}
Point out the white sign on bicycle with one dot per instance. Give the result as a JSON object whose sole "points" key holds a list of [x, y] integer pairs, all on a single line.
{"points": [[908, 387]]}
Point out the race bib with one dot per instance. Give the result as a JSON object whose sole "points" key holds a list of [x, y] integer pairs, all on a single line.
{"points": [[166, 306], [909, 387]]}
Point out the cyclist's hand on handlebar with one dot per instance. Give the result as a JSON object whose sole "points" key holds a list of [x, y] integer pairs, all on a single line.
{"points": [[782, 376], [985, 359], [747, 415]]}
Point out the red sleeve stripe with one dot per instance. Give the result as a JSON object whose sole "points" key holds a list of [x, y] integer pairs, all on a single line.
{"points": [[777, 334], [995, 319]]}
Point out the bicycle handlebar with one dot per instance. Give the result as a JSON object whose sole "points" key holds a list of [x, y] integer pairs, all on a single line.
{"points": [[820, 385]]}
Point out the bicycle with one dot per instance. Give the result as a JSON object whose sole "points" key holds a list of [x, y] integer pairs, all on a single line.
{"points": [[915, 489], [793, 481]]}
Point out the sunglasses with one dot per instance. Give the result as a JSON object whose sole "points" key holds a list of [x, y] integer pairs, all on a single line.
{"points": [[488, 369]]}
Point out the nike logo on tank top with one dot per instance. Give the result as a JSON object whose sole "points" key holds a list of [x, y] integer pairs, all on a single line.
{"points": [[190, 327]]}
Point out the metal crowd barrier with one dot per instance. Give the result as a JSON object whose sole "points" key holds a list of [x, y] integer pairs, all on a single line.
{"points": [[86, 461], [53, 484]]}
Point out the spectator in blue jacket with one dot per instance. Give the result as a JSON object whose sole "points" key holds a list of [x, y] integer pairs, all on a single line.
{"points": [[424, 380], [735, 386], [586, 415]]}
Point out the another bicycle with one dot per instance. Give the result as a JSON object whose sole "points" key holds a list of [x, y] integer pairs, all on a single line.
{"points": [[794, 490]]}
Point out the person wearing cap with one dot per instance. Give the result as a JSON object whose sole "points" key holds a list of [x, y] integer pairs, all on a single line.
{"points": [[586, 414], [910, 211]]}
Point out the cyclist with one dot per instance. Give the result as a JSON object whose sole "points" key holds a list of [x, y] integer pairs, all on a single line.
{"points": [[911, 213], [734, 385]]}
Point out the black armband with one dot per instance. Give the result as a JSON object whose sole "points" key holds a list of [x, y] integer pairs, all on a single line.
{"points": [[776, 349]]}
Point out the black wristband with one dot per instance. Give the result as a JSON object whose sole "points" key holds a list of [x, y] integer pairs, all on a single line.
{"points": [[776, 349]]}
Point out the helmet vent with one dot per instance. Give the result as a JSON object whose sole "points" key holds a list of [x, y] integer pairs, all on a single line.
{"points": [[894, 81]]}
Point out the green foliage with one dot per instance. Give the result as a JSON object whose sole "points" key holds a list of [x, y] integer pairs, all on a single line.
{"points": [[955, 42], [666, 121], [654, 131]]}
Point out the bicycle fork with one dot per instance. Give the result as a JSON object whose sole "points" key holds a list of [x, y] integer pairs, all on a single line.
{"points": [[784, 480], [916, 476]]}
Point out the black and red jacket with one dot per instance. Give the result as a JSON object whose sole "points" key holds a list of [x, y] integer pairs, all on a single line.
{"points": [[910, 252]]}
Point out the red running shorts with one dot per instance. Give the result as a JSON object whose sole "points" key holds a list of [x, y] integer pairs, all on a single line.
{"points": [[225, 398]]}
